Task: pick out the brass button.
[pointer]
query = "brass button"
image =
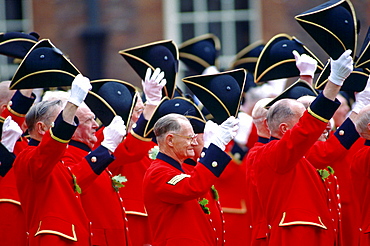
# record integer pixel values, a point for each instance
(93, 159)
(341, 132)
(214, 164)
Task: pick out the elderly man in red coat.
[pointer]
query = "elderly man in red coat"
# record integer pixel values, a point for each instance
(171, 195)
(48, 190)
(292, 194)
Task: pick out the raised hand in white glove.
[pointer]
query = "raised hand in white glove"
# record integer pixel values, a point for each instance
(226, 133)
(152, 86)
(362, 98)
(341, 68)
(210, 130)
(305, 64)
(11, 133)
(79, 89)
(114, 133)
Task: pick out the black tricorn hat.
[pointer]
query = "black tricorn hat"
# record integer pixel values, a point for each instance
(332, 25)
(220, 93)
(356, 81)
(247, 57)
(110, 97)
(44, 66)
(294, 91)
(178, 105)
(163, 54)
(363, 60)
(277, 61)
(17, 44)
(200, 52)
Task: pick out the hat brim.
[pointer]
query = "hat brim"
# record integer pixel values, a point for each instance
(102, 109)
(192, 60)
(363, 60)
(284, 94)
(134, 56)
(356, 81)
(17, 47)
(244, 60)
(25, 79)
(333, 42)
(220, 111)
(194, 119)
(285, 67)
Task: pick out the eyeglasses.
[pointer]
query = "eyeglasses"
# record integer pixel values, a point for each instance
(190, 138)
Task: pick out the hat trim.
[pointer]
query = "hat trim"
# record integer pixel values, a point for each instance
(203, 119)
(40, 72)
(214, 38)
(248, 49)
(136, 93)
(126, 51)
(328, 7)
(210, 92)
(361, 55)
(328, 31)
(282, 35)
(245, 60)
(17, 40)
(194, 58)
(318, 87)
(103, 101)
(150, 66)
(114, 80)
(274, 100)
(272, 67)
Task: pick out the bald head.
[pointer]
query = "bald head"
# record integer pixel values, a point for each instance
(362, 122)
(286, 113)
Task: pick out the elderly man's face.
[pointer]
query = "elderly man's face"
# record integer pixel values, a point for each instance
(85, 131)
(185, 141)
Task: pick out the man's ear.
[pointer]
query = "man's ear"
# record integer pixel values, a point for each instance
(169, 140)
(283, 127)
(41, 128)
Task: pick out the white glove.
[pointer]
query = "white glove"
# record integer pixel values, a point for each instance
(341, 68)
(210, 70)
(114, 133)
(245, 128)
(11, 133)
(226, 133)
(79, 89)
(210, 130)
(153, 85)
(362, 98)
(305, 64)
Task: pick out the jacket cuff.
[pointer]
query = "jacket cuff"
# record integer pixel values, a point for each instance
(62, 131)
(214, 159)
(323, 108)
(139, 128)
(99, 159)
(347, 134)
(20, 104)
(6, 160)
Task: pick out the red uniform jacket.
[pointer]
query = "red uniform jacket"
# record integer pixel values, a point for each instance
(47, 191)
(258, 228)
(292, 194)
(12, 221)
(109, 218)
(360, 171)
(171, 198)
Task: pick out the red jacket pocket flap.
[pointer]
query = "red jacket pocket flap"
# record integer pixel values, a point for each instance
(57, 226)
(301, 217)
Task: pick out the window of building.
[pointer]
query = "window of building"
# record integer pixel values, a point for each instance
(235, 22)
(13, 18)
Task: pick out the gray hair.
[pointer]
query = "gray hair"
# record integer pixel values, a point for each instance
(168, 123)
(41, 111)
(278, 113)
